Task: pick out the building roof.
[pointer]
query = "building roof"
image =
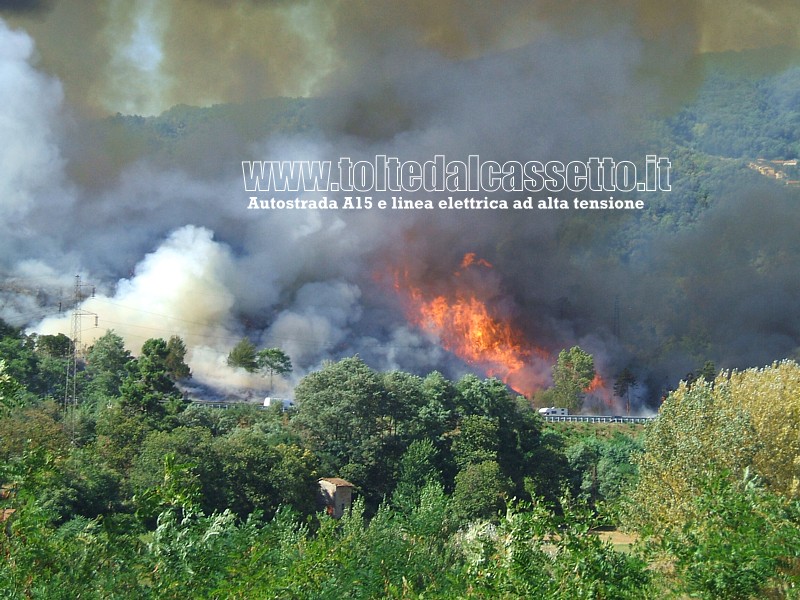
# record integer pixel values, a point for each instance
(338, 482)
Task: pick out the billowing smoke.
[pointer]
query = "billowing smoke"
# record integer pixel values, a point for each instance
(143, 57)
(165, 233)
(318, 321)
(29, 105)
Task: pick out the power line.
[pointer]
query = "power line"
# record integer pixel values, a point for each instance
(77, 313)
(71, 393)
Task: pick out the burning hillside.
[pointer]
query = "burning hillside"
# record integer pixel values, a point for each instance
(466, 321)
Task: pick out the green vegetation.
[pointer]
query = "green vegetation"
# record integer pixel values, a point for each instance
(243, 356)
(272, 361)
(572, 375)
(461, 490)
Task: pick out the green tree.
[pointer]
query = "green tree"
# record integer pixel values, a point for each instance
(583, 458)
(50, 381)
(738, 545)
(192, 446)
(244, 356)
(602, 469)
(404, 398)
(623, 385)
(83, 485)
(709, 370)
(487, 397)
(436, 414)
(21, 360)
(106, 366)
(58, 346)
(341, 415)
(120, 434)
(548, 471)
(26, 428)
(476, 440)
(340, 409)
(176, 353)
(9, 389)
(148, 387)
(516, 431)
(618, 468)
(480, 491)
(274, 361)
(698, 430)
(572, 375)
(38, 373)
(417, 469)
(259, 475)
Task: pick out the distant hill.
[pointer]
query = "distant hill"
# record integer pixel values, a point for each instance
(747, 107)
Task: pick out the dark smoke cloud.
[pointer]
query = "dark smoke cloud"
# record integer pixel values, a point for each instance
(175, 251)
(206, 51)
(25, 6)
(737, 272)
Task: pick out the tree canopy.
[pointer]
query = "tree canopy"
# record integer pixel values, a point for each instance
(148, 386)
(243, 356)
(273, 361)
(572, 375)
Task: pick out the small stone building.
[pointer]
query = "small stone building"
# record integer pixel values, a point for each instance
(335, 496)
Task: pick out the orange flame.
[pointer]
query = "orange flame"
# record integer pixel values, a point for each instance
(598, 383)
(470, 259)
(465, 326)
(599, 389)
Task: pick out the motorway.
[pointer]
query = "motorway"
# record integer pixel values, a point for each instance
(596, 419)
(548, 418)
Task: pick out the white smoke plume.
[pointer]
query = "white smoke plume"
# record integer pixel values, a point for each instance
(318, 321)
(179, 289)
(30, 160)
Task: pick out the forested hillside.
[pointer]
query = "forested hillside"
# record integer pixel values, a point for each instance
(738, 113)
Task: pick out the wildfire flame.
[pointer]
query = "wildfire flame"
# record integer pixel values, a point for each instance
(466, 321)
(470, 258)
(465, 326)
(597, 383)
(599, 389)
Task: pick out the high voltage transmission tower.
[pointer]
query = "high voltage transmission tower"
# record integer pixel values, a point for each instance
(71, 387)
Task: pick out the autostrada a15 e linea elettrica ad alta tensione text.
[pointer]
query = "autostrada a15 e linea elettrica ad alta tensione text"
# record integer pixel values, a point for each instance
(390, 174)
